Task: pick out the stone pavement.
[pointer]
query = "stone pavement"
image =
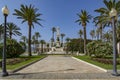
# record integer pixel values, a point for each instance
(61, 67)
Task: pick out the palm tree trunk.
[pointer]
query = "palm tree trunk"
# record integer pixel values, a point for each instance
(10, 35)
(84, 39)
(42, 48)
(62, 42)
(80, 44)
(101, 33)
(29, 41)
(53, 36)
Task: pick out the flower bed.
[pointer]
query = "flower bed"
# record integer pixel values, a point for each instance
(15, 60)
(105, 61)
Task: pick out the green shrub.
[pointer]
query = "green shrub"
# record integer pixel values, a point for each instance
(13, 49)
(76, 45)
(1, 50)
(99, 49)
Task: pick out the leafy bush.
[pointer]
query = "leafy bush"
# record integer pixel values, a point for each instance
(13, 49)
(76, 45)
(99, 49)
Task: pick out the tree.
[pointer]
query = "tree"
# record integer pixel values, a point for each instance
(34, 42)
(80, 33)
(84, 18)
(62, 36)
(118, 32)
(104, 17)
(28, 14)
(98, 33)
(92, 33)
(107, 36)
(42, 42)
(12, 29)
(24, 39)
(67, 40)
(101, 30)
(37, 35)
(1, 31)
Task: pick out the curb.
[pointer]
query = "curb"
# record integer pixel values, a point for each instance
(90, 64)
(13, 71)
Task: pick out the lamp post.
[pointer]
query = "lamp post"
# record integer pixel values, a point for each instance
(5, 12)
(113, 15)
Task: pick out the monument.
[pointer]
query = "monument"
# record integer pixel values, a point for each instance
(56, 49)
(57, 37)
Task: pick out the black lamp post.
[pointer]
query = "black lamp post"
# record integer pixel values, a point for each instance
(113, 15)
(5, 12)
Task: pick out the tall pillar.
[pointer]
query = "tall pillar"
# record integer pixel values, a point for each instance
(57, 37)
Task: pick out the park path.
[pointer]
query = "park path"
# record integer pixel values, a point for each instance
(57, 67)
(60, 64)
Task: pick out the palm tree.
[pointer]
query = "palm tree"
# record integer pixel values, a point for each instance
(42, 42)
(67, 40)
(84, 18)
(118, 32)
(92, 33)
(37, 35)
(107, 36)
(28, 14)
(100, 28)
(12, 29)
(34, 42)
(24, 39)
(80, 33)
(62, 36)
(104, 17)
(98, 33)
(1, 31)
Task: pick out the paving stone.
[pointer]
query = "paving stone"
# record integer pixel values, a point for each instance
(61, 67)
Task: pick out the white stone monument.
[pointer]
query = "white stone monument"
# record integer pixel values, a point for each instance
(57, 37)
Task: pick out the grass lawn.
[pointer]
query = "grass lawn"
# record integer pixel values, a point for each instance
(18, 65)
(105, 66)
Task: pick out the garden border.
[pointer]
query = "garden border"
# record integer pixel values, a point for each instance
(90, 64)
(24, 66)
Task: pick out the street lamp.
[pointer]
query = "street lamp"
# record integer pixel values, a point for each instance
(113, 15)
(5, 12)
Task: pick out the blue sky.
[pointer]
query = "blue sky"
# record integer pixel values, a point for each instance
(60, 13)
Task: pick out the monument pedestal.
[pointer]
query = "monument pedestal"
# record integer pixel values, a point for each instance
(57, 44)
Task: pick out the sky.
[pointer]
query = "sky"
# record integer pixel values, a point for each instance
(55, 13)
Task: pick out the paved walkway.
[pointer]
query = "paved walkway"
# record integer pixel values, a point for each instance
(60, 67)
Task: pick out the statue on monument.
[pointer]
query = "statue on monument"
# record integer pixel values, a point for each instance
(57, 37)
